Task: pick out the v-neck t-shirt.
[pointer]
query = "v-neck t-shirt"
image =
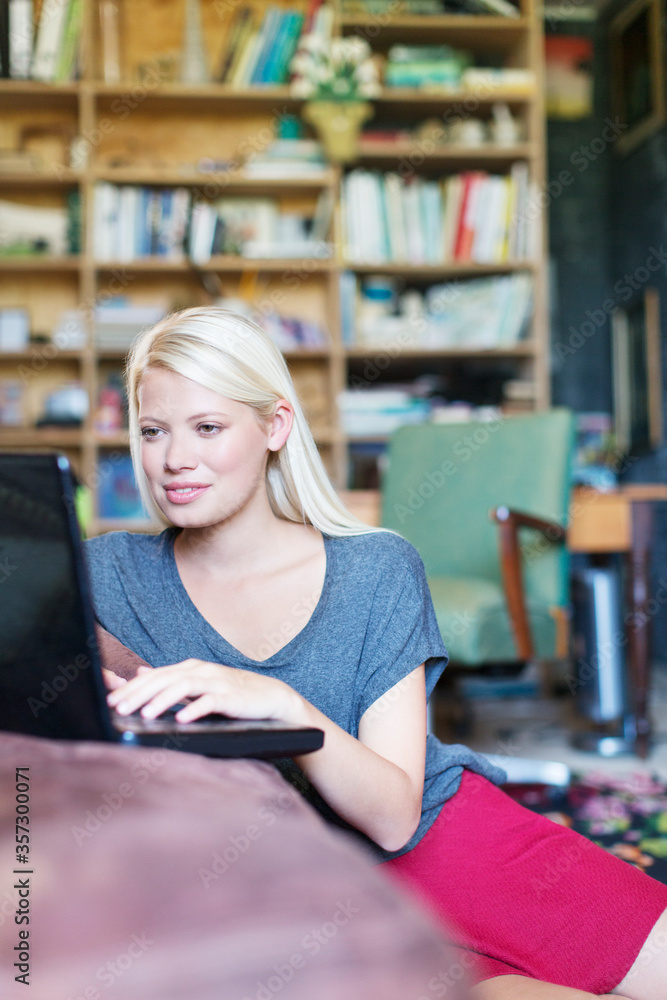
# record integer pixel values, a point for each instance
(373, 625)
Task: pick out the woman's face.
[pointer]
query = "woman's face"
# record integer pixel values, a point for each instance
(204, 455)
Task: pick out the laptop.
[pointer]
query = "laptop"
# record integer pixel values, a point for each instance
(51, 682)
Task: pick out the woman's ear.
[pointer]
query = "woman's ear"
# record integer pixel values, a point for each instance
(280, 424)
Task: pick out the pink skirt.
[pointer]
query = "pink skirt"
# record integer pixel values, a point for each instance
(521, 895)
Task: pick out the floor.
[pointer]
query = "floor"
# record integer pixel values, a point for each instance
(530, 726)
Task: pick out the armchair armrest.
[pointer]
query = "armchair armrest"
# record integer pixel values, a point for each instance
(509, 522)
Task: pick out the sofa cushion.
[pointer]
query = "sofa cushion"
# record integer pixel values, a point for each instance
(472, 617)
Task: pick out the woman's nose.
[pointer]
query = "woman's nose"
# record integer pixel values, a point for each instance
(179, 454)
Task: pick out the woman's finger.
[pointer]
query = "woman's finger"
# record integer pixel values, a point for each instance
(112, 681)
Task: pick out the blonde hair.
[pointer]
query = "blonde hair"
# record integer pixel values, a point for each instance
(233, 357)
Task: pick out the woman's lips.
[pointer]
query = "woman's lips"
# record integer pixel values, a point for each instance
(184, 493)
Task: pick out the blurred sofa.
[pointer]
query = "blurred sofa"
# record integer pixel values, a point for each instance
(160, 875)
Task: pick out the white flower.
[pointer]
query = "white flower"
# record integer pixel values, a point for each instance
(301, 63)
(313, 42)
(338, 49)
(358, 49)
(366, 73)
(302, 88)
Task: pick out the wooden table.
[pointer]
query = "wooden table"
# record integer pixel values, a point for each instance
(620, 521)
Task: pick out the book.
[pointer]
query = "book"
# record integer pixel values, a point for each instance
(243, 69)
(452, 196)
(4, 39)
(110, 40)
(502, 7)
(67, 62)
(472, 181)
(285, 47)
(234, 38)
(398, 242)
(118, 494)
(21, 32)
(33, 229)
(49, 40)
(272, 20)
(414, 227)
(245, 34)
(105, 208)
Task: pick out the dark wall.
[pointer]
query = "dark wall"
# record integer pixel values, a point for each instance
(605, 230)
(579, 154)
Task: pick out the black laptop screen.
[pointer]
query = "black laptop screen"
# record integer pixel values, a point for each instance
(47, 644)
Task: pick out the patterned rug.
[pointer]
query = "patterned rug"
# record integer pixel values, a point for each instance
(627, 816)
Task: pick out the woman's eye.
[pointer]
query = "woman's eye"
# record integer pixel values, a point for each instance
(208, 428)
(150, 432)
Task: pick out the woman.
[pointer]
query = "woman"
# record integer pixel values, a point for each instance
(263, 597)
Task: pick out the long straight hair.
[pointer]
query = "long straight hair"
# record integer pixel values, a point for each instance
(233, 357)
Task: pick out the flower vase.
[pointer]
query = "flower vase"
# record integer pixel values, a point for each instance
(338, 124)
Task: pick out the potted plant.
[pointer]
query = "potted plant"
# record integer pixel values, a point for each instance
(335, 76)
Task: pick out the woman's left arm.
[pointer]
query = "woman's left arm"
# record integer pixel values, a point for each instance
(374, 782)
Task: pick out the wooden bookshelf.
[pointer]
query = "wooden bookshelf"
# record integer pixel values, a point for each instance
(152, 131)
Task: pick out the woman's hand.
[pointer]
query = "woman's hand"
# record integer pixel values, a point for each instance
(112, 680)
(211, 687)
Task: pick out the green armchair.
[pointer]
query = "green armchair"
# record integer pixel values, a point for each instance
(486, 506)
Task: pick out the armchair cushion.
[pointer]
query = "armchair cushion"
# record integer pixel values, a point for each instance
(472, 616)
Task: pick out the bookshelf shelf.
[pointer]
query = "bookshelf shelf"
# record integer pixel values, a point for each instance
(36, 263)
(27, 357)
(483, 97)
(121, 439)
(490, 155)
(210, 92)
(64, 177)
(522, 350)
(228, 264)
(147, 133)
(234, 179)
(479, 31)
(46, 437)
(19, 94)
(438, 272)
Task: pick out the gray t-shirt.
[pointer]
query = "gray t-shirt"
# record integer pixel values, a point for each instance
(372, 625)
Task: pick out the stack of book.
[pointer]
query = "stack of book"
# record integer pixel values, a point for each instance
(477, 314)
(470, 217)
(259, 51)
(47, 51)
(505, 8)
(119, 322)
(132, 222)
(12, 398)
(294, 159)
(380, 410)
(117, 493)
(250, 227)
(425, 66)
(38, 229)
(292, 333)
